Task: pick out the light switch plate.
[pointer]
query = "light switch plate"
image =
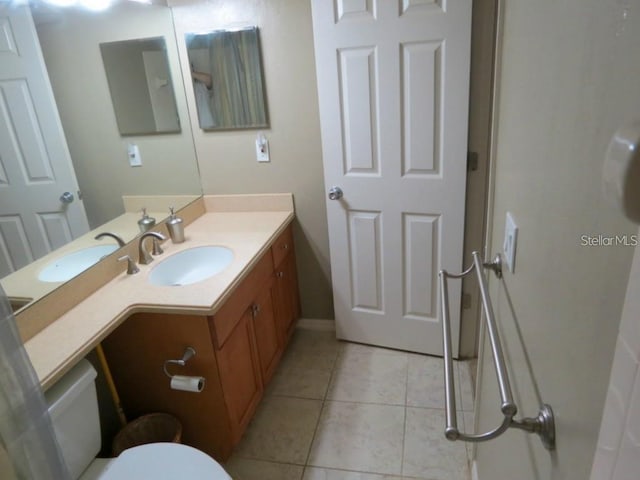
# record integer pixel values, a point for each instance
(510, 243)
(262, 148)
(135, 160)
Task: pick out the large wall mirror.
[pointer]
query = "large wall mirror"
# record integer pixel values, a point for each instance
(70, 40)
(228, 79)
(141, 87)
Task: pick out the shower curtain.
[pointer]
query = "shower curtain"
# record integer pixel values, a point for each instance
(26, 432)
(238, 99)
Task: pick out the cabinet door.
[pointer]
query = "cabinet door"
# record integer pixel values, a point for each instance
(268, 341)
(282, 246)
(240, 375)
(286, 296)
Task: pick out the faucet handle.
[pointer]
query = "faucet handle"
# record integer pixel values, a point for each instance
(156, 249)
(131, 265)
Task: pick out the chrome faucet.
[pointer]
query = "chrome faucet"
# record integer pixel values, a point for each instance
(144, 257)
(111, 235)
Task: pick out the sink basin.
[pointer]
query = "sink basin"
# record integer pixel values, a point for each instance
(65, 268)
(191, 266)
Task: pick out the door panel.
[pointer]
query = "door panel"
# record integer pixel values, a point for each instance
(393, 79)
(357, 81)
(420, 239)
(55, 229)
(14, 246)
(421, 65)
(35, 164)
(366, 260)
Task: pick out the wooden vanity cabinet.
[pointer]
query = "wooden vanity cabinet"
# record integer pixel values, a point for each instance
(136, 352)
(240, 376)
(237, 351)
(247, 344)
(268, 342)
(285, 292)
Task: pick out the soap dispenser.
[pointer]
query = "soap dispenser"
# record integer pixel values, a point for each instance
(146, 223)
(175, 227)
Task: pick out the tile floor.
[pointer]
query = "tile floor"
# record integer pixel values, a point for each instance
(344, 411)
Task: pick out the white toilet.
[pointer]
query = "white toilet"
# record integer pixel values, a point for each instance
(73, 406)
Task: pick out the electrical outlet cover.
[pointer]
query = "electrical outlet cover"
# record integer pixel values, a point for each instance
(135, 160)
(262, 148)
(510, 243)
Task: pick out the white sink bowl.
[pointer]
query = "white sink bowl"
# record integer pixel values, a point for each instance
(191, 266)
(66, 267)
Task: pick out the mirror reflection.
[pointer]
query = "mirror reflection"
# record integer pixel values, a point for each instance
(228, 83)
(140, 84)
(108, 191)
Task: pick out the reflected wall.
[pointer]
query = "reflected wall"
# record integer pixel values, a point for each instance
(70, 44)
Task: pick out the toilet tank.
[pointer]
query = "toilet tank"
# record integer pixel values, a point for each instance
(73, 407)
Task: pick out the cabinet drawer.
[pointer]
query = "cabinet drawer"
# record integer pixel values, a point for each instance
(282, 246)
(229, 315)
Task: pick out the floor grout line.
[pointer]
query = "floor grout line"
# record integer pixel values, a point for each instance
(336, 354)
(404, 426)
(324, 403)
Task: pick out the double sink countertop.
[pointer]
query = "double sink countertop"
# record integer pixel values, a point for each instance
(23, 284)
(247, 224)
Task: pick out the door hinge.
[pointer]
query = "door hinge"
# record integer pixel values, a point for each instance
(79, 195)
(466, 301)
(472, 161)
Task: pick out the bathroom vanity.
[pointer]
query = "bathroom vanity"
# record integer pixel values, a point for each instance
(237, 321)
(237, 350)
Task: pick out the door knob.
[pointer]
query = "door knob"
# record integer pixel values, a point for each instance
(66, 197)
(335, 193)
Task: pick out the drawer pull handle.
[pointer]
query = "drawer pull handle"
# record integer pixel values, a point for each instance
(255, 310)
(280, 274)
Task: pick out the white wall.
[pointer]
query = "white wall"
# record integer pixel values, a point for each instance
(618, 452)
(569, 77)
(227, 159)
(99, 153)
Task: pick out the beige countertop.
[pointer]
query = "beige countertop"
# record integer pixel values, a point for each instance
(232, 224)
(24, 283)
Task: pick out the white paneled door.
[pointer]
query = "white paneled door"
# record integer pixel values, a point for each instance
(35, 164)
(393, 81)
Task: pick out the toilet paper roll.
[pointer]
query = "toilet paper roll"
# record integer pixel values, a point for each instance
(187, 384)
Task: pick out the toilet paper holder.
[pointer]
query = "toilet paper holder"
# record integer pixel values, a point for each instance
(188, 354)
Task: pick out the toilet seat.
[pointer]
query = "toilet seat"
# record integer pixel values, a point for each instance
(164, 461)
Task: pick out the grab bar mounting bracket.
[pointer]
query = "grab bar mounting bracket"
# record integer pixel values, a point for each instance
(495, 265)
(543, 424)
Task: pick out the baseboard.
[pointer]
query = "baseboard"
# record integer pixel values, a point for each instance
(317, 324)
(474, 471)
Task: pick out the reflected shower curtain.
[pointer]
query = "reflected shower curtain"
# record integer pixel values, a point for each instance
(26, 431)
(237, 98)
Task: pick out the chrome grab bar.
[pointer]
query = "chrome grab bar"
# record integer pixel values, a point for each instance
(543, 424)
